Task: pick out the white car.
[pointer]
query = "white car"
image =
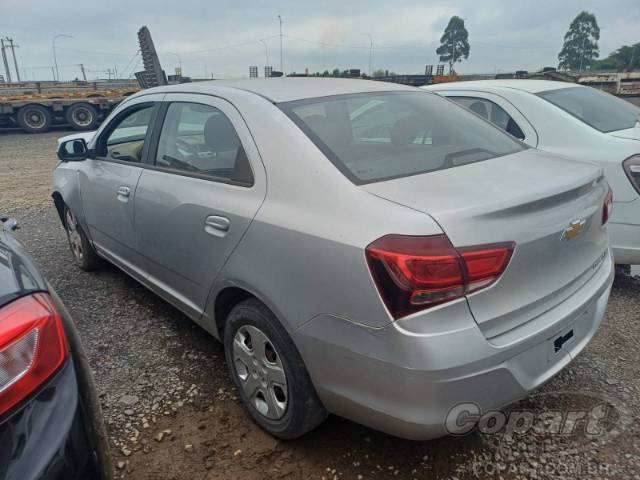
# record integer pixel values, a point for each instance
(575, 121)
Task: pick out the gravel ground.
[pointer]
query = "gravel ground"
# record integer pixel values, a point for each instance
(172, 413)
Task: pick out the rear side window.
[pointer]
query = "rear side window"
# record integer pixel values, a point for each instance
(597, 109)
(200, 139)
(492, 112)
(379, 136)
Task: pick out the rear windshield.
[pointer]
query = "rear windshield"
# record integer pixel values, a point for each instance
(379, 136)
(600, 110)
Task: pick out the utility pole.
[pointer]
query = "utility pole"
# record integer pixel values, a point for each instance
(13, 52)
(109, 73)
(84, 75)
(4, 59)
(370, 51)
(281, 61)
(55, 60)
(266, 51)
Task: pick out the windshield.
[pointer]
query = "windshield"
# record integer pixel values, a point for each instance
(600, 110)
(379, 136)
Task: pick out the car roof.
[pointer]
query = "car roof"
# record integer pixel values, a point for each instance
(286, 89)
(531, 86)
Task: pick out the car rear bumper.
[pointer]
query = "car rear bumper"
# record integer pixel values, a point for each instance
(47, 438)
(624, 232)
(404, 379)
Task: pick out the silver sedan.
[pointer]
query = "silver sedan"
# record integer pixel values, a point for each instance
(361, 248)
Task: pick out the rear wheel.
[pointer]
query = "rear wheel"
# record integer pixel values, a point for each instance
(268, 372)
(34, 118)
(82, 116)
(83, 253)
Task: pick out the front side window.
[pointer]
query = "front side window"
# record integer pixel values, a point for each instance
(125, 141)
(378, 136)
(492, 112)
(200, 139)
(597, 109)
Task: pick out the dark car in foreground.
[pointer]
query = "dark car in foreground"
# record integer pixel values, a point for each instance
(50, 421)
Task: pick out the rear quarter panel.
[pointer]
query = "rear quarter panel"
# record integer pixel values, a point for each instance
(303, 255)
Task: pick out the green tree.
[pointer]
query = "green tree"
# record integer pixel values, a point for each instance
(454, 43)
(378, 73)
(580, 47)
(625, 58)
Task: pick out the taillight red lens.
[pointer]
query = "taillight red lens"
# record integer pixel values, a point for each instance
(607, 208)
(632, 168)
(32, 347)
(413, 273)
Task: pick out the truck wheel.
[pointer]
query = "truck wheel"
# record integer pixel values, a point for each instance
(34, 118)
(82, 116)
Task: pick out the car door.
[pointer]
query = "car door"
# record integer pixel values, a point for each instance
(108, 180)
(497, 110)
(202, 188)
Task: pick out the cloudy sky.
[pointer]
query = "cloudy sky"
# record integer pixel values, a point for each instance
(223, 37)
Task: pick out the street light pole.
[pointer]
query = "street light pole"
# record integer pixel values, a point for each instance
(179, 61)
(55, 60)
(370, 51)
(266, 51)
(281, 58)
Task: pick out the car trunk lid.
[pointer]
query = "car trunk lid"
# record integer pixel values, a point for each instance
(551, 208)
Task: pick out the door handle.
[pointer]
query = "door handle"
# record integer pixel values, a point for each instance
(216, 225)
(124, 191)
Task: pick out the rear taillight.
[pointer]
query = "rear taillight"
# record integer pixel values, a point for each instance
(607, 208)
(632, 168)
(414, 273)
(32, 347)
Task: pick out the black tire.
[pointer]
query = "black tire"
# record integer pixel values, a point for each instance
(84, 256)
(34, 118)
(304, 411)
(82, 116)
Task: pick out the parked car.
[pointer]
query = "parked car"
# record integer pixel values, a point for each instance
(361, 248)
(575, 121)
(51, 426)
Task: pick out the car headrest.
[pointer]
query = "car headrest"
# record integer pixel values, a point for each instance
(406, 130)
(319, 124)
(480, 108)
(219, 134)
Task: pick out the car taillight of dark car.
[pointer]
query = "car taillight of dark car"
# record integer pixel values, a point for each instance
(33, 347)
(417, 272)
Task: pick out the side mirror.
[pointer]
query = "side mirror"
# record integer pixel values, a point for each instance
(73, 150)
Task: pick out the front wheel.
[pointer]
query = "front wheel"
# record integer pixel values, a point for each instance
(268, 372)
(83, 253)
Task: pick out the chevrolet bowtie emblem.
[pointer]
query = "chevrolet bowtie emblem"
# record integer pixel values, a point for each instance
(574, 229)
